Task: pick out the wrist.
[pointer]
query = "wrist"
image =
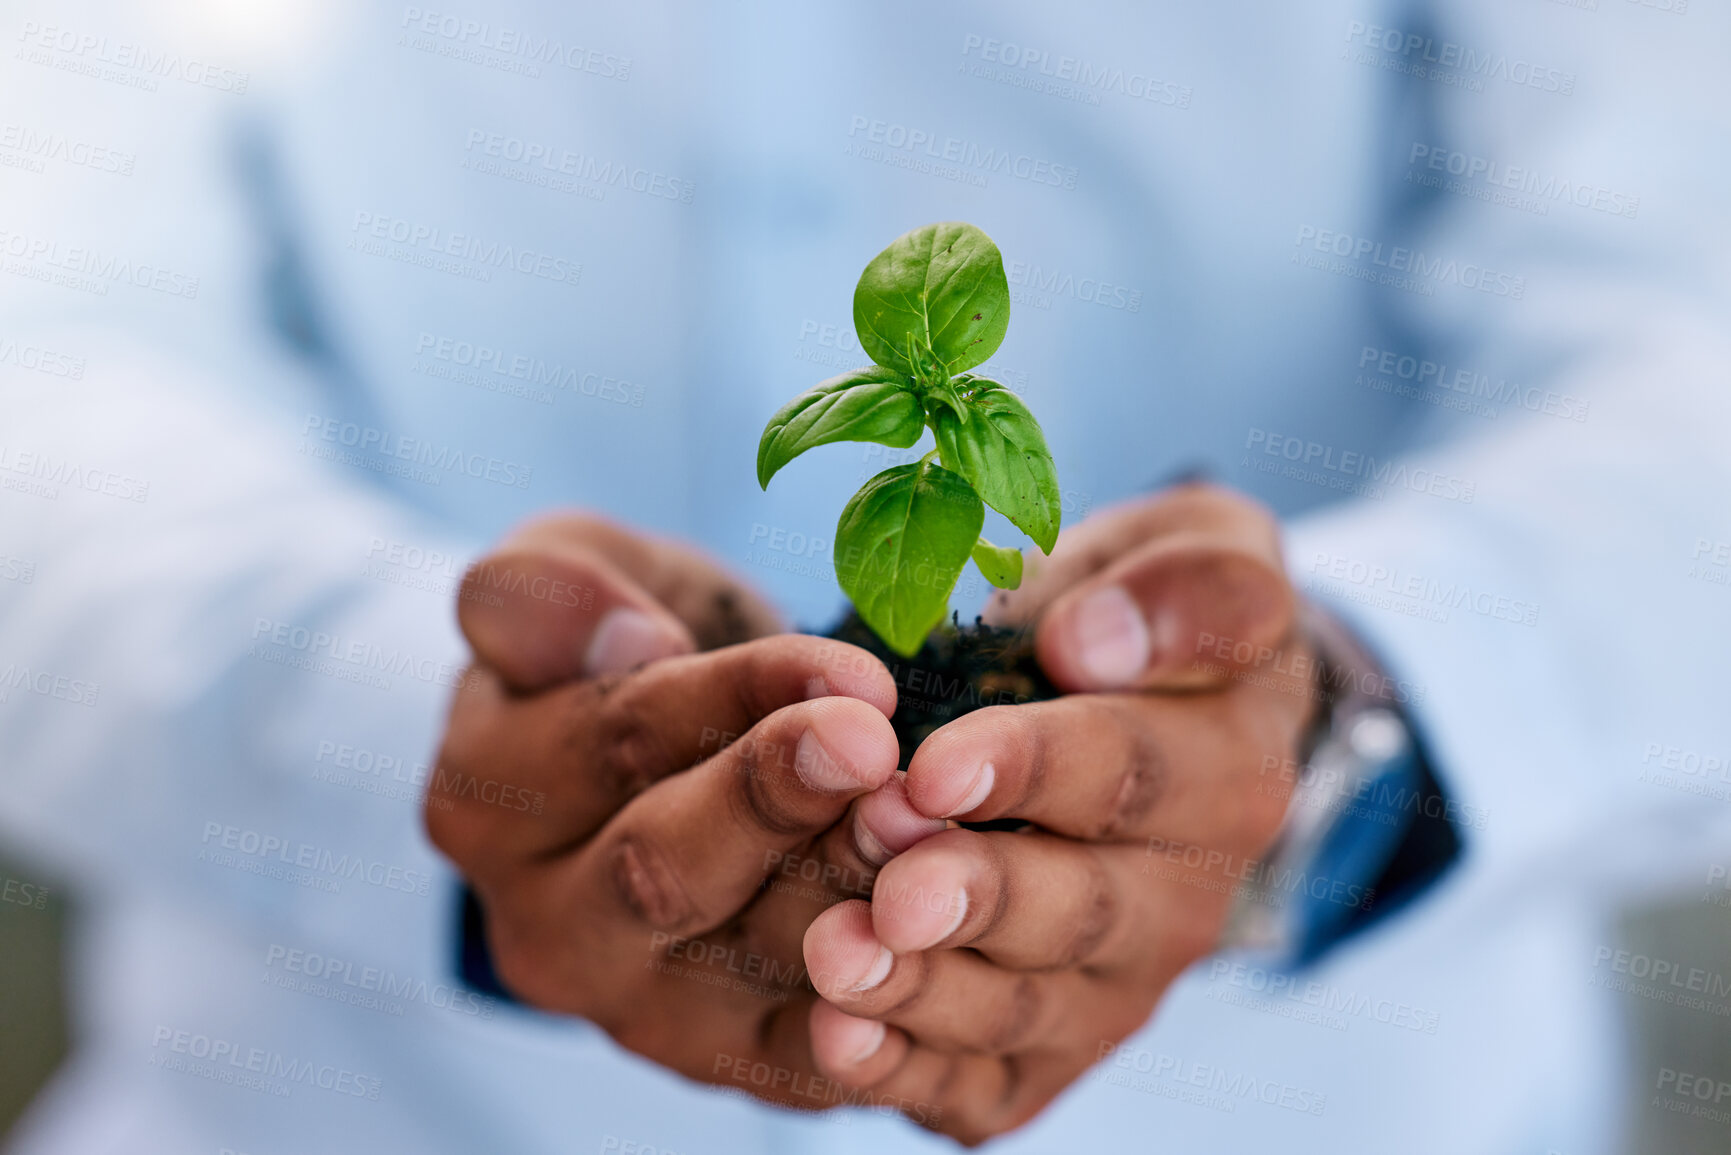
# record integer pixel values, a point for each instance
(1367, 825)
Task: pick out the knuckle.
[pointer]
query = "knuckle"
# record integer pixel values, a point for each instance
(1017, 1016)
(911, 974)
(1097, 912)
(647, 884)
(1140, 783)
(620, 735)
(756, 795)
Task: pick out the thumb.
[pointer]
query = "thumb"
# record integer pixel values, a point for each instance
(1188, 610)
(543, 613)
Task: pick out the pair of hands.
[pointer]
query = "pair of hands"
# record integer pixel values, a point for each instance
(723, 870)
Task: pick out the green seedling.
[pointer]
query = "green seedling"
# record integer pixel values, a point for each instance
(929, 308)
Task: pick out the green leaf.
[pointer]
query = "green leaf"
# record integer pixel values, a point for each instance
(1003, 454)
(1001, 565)
(870, 404)
(940, 288)
(900, 546)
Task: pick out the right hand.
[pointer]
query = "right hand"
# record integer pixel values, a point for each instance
(618, 800)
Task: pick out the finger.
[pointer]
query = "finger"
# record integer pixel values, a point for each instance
(542, 615)
(1114, 767)
(522, 777)
(717, 606)
(970, 1097)
(690, 852)
(950, 1000)
(1105, 536)
(842, 865)
(1148, 592)
(1030, 902)
(571, 597)
(684, 856)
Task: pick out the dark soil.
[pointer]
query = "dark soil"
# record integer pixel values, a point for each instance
(959, 669)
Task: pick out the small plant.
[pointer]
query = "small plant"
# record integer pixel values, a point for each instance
(930, 307)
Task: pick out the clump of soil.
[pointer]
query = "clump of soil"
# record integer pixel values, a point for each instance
(959, 669)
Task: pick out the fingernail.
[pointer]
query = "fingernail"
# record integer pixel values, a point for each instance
(869, 1044)
(984, 777)
(1111, 637)
(626, 639)
(869, 845)
(957, 915)
(880, 970)
(821, 770)
(1168, 625)
(886, 823)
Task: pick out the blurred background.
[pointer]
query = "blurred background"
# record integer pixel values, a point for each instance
(1211, 248)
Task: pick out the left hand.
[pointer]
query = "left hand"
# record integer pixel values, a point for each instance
(989, 970)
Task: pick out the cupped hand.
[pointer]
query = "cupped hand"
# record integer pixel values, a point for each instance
(650, 827)
(988, 971)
